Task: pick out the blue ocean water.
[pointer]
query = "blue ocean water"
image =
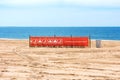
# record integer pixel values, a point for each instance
(102, 33)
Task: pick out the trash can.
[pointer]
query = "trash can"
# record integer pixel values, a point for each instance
(98, 43)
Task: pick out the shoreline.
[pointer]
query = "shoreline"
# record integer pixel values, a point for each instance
(28, 39)
(12, 39)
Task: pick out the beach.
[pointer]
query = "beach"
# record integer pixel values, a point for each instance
(18, 61)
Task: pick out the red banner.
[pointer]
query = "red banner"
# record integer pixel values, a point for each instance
(58, 41)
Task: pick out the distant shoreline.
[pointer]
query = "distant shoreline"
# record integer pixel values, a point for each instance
(12, 39)
(28, 39)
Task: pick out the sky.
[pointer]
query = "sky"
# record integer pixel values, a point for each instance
(59, 13)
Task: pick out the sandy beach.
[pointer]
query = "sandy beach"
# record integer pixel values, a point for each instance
(20, 62)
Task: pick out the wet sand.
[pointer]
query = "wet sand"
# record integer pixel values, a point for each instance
(20, 62)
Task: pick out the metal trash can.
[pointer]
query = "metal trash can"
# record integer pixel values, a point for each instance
(98, 43)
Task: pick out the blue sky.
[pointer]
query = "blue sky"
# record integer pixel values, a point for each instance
(59, 12)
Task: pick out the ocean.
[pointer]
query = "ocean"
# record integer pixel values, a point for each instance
(96, 33)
